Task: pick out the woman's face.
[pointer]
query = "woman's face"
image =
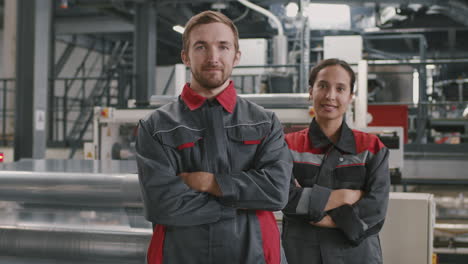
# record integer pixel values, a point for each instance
(331, 93)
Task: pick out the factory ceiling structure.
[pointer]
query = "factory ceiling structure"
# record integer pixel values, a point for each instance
(443, 23)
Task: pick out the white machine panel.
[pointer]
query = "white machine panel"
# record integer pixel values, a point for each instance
(396, 158)
(177, 75)
(407, 235)
(254, 52)
(347, 48)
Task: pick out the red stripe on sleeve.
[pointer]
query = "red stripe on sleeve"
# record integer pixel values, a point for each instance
(252, 142)
(186, 145)
(270, 237)
(155, 249)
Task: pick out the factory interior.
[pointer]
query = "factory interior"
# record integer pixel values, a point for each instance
(78, 75)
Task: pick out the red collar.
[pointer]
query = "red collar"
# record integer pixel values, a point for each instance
(227, 98)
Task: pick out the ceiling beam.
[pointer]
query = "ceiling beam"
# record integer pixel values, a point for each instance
(89, 25)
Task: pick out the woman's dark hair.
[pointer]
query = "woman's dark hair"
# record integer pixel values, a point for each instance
(332, 62)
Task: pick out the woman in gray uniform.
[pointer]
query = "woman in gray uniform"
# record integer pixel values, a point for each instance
(339, 192)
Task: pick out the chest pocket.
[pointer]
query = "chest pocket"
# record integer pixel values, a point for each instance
(244, 141)
(305, 174)
(184, 147)
(350, 177)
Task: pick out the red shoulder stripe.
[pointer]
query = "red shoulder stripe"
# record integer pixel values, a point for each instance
(299, 141)
(366, 141)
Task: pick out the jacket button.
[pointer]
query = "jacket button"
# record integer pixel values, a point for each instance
(341, 159)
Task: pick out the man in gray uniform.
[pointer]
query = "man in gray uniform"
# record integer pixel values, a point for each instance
(213, 166)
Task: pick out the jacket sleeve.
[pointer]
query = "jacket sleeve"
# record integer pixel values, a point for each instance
(366, 217)
(167, 199)
(265, 186)
(307, 202)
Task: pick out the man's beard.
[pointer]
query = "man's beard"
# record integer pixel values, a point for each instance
(209, 83)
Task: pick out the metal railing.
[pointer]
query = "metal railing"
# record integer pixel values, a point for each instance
(67, 105)
(269, 78)
(67, 108)
(81, 92)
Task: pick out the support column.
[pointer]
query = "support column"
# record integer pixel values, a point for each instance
(421, 130)
(32, 78)
(145, 52)
(305, 50)
(360, 105)
(9, 62)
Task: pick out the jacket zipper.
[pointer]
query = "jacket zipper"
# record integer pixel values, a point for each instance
(323, 162)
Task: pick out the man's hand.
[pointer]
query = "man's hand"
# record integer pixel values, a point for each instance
(341, 197)
(201, 181)
(326, 221)
(297, 183)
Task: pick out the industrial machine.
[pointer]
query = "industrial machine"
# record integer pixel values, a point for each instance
(87, 211)
(407, 235)
(71, 211)
(115, 129)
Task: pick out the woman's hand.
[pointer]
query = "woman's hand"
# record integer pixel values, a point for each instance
(343, 196)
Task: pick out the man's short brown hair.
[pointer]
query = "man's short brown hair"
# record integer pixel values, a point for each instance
(208, 17)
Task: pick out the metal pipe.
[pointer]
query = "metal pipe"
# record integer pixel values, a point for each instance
(417, 61)
(280, 41)
(286, 100)
(445, 82)
(75, 244)
(456, 10)
(67, 188)
(459, 251)
(64, 230)
(265, 12)
(405, 36)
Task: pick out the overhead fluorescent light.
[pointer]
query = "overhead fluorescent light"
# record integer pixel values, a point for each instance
(292, 9)
(415, 86)
(178, 28)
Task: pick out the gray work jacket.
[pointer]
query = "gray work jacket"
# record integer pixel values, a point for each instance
(244, 149)
(357, 161)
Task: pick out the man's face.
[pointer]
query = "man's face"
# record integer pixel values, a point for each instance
(211, 55)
